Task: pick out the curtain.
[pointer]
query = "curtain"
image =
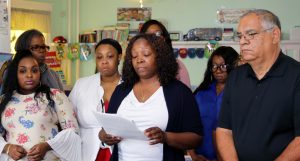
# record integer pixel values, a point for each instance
(23, 19)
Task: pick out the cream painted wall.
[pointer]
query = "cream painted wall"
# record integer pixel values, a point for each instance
(181, 15)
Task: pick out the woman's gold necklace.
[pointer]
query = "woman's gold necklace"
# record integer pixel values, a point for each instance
(142, 97)
(142, 93)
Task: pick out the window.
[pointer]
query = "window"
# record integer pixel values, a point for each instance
(29, 15)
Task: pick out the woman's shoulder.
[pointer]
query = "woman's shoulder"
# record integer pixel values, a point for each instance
(176, 84)
(122, 88)
(50, 72)
(121, 91)
(89, 80)
(57, 92)
(176, 88)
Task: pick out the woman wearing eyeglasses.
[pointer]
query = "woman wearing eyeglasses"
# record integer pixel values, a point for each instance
(209, 97)
(34, 41)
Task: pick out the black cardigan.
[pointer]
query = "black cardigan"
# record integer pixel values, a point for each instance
(183, 113)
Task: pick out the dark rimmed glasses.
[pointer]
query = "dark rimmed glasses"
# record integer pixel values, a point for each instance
(222, 67)
(39, 47)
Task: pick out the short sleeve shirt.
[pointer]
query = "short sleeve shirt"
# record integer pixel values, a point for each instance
(264, 115)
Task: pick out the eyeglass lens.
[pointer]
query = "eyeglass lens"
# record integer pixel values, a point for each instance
(39, 47)
(222, 67)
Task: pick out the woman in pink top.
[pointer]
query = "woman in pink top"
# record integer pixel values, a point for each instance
(157, 28)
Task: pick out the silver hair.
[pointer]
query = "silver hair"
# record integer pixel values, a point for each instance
(268, 19)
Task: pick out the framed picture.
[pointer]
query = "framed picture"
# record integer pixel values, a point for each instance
(175, 36)
(134, 14)
(230, 16)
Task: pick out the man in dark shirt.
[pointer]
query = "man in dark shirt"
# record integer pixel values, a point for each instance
(260, 115)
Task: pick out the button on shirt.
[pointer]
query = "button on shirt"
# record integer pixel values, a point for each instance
(264, 115)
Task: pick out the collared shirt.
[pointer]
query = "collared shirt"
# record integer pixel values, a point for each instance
(209, 104)
(264, 115)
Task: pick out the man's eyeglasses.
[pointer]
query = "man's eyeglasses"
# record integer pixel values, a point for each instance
(39, 47)
(249, 35)
(222, 67)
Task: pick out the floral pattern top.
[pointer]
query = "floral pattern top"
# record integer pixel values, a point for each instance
(28, 121)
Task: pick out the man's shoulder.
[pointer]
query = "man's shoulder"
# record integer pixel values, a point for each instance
(240, 70)
(291, 65)
(291, 62)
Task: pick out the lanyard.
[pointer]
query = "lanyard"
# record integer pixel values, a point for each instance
(101, 106)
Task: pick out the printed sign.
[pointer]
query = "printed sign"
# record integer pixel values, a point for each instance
(134, 14)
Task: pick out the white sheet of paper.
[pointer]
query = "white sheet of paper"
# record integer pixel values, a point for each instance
(119, 126)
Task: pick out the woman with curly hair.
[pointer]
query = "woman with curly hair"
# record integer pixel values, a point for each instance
(31, 114)
(160, 105)
(157, 28)
(209, 97)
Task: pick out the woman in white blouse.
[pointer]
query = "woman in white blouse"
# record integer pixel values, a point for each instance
(31, 114)
(93, 93)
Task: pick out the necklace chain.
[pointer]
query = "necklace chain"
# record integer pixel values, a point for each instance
(142, 92)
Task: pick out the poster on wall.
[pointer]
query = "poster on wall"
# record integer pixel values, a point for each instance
(55, 64)
(230, 16)
(5, 26)
(134, 14)
(4, 21)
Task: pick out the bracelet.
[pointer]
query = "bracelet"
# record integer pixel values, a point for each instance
(7, 151)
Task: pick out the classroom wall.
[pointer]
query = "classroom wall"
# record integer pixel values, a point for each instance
(180, 15)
